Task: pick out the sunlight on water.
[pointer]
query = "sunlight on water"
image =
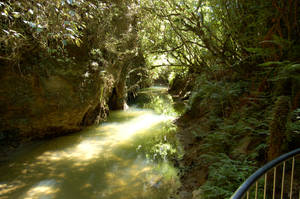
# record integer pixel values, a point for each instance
(44, 190)
(103, 161)
(118, 133)
(140, 124)
(6, 188)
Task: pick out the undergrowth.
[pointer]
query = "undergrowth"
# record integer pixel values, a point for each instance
(236, 114)
(224, 174)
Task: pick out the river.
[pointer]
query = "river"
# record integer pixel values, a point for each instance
(126, 157)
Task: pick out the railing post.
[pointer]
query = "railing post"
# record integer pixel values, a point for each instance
(265, 187)
(292, 178)
(282, 181)
(274, 183)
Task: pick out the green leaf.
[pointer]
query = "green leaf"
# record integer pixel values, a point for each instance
(16, 14)
(270, 63)
(78, 42)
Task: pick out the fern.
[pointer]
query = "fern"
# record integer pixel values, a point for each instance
(225, 175)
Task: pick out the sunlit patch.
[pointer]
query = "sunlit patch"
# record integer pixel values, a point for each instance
(86, 186)
(155, 89)
(139, 124)
(45, 189)
(7, 188)
(117, 133)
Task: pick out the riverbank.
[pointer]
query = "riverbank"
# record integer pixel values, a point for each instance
(226, 133)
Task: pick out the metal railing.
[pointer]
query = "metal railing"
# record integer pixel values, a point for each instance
(261, 186)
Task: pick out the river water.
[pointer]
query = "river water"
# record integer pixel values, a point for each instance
(125, 157)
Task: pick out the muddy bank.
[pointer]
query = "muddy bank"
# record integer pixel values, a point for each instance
(192, 173)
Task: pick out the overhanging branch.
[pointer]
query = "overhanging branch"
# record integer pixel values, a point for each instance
(166, 65)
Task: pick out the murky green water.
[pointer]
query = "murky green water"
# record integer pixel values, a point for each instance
(123, 158)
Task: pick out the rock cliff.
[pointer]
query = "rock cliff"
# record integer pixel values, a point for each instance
(66, 85)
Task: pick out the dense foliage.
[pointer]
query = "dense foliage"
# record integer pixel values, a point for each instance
(238, 61)
(203, 35)
(53, 25)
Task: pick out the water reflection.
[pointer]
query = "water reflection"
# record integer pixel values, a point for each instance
(116, 133)
(101, 162)
(45, 189)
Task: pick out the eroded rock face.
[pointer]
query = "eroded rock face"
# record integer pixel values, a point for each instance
(38, 105)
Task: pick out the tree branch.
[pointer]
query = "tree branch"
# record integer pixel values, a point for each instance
(166, 65)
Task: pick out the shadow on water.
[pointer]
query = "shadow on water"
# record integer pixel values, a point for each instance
(123, 158)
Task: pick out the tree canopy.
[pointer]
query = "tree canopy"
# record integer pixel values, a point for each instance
(203, 35)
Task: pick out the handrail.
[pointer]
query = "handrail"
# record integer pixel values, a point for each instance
(263, 170)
